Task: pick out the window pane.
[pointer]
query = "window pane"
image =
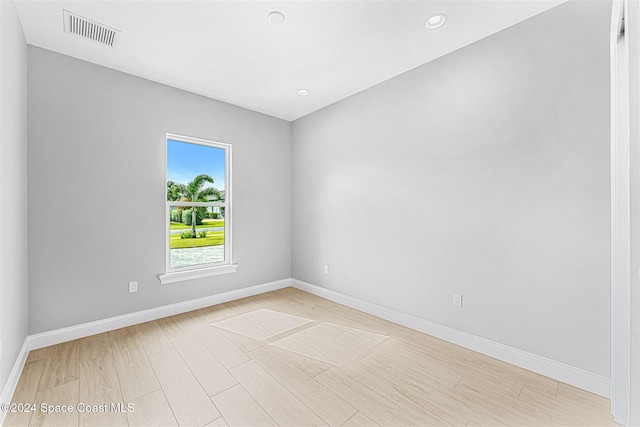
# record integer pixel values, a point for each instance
(195, 172)
(206, 247)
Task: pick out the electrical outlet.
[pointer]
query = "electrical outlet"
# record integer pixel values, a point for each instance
(457, 300)
(133, 287)
(325, 269)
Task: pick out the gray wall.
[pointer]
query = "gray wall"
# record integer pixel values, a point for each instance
(13, 187)
(484, 172)
(97, 190)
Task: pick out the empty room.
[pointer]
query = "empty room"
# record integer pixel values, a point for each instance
(343, 213)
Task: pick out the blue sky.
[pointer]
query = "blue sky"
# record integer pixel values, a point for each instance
(186, 161)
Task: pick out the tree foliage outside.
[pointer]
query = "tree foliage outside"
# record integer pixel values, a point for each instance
(175, 191)
(194, 191)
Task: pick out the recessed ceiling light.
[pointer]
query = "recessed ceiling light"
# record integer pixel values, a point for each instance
(436, 21)
(303, 92)
(276, 17)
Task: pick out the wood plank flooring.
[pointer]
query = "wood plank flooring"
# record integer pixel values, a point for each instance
(181, 371)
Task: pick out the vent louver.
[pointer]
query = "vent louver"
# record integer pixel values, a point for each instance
(91, 30)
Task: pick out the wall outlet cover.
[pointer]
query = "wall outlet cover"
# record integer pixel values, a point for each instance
(457, 300)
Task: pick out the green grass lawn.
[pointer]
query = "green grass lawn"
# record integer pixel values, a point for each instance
(214, 238)
(205, 224)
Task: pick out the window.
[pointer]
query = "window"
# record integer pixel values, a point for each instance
(198, 209)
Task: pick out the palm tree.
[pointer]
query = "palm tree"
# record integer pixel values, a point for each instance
(195, 193)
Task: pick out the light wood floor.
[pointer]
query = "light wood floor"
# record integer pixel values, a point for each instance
(183, 371)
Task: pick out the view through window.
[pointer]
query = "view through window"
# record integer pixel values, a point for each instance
(198, 220)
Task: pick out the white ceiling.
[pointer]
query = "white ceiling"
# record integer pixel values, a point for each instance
(228, 50)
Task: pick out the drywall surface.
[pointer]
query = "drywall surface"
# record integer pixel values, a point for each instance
(97, 191)
(485, 173)
(13, 188)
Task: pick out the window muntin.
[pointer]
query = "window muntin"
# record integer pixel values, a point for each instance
(198, 187)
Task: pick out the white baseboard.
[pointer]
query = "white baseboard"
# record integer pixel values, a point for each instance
(91, 328)
(562, 372)
(14, 376)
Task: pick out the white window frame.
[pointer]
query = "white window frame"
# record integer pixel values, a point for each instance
(209, 269)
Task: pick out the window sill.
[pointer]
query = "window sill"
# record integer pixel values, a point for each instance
(180, 276)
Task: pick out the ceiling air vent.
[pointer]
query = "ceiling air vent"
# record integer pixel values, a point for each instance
(91, 30)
